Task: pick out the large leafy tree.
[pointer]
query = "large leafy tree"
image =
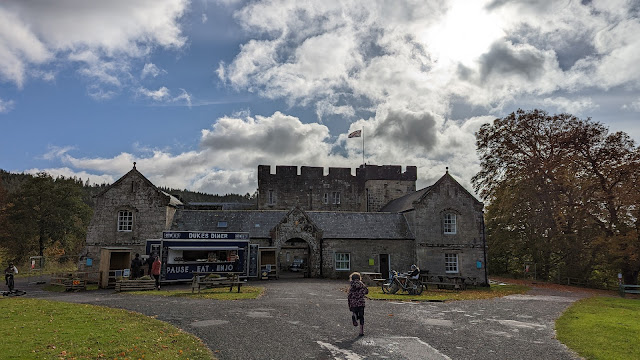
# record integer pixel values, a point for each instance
(47, 211)
(562, 193)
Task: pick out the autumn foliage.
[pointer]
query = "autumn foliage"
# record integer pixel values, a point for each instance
(562, 193)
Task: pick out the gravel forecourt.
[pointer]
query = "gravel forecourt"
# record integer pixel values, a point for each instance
(309, 319)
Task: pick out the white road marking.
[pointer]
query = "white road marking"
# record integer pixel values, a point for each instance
(339, 354)
(409, 347)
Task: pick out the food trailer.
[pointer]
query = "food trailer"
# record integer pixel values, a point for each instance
(186, 252)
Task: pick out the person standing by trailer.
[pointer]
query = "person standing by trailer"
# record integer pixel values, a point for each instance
(155, 271)
(356, 300)
(149, 262)
(136, 264)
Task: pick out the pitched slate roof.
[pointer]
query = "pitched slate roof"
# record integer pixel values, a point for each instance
(405, 203)
(361, 225)
(258, 223)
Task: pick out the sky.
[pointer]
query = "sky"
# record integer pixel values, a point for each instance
(199, 93)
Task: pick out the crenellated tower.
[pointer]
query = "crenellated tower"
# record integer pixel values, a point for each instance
(369, 189)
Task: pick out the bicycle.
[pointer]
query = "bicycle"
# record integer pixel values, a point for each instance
(11, 285)
(399, 282)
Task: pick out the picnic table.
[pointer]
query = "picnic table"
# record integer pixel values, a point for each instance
(445, 281)
(203, 280)
(370, 278)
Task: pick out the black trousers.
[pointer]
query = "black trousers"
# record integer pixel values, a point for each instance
(358, 312)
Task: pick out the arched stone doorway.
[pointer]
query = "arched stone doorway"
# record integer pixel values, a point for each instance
(294, 259)
(297, 232)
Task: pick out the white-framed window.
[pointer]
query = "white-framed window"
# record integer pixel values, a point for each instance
(336, 197)
(451, 263)
(125, 220)
(449, 223)
(325, 198)
(272, 197)
(343, 261)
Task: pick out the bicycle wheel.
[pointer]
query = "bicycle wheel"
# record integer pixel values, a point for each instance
(418, 289)
(386, 285)
(394, 287)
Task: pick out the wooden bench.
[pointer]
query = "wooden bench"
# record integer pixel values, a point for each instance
(448, 281)
(629, 289)
(135, 285)
(200, 281)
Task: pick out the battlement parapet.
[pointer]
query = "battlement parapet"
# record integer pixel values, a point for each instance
(386, 172)
(363, 173)
(311, 172)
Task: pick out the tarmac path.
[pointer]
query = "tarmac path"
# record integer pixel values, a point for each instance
(309, 319)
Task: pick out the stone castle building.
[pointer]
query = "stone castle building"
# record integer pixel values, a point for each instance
(336, 223)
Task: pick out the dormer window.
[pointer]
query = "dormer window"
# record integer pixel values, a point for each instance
(125, 220)
(449, 223)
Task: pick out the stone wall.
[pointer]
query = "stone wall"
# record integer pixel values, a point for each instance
(151, 216)
(447, 196)
(401, 251)
(312, 190)
(381, 192)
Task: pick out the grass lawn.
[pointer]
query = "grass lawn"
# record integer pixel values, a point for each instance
(42, 329)
(246, 292)
(375, 292)
(602, 328)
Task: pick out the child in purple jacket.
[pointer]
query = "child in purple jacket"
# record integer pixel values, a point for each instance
(357, 291)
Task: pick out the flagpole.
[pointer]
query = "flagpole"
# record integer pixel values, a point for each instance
(363, 163)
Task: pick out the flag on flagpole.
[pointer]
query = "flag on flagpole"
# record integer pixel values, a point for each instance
(356, 133)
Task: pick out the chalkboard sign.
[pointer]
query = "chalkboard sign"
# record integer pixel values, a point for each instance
(253, 260)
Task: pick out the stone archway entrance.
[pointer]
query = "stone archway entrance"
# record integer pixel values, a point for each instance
(296, 233)
(294, 258)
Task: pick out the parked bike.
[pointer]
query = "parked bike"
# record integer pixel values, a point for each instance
(397, 282)
(12, 291)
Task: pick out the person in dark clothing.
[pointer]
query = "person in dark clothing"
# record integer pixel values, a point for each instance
(356, 300)
(415, 272)
(150, 261)
(136, 264)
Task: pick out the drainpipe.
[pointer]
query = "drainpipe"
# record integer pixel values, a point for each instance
(484, 251)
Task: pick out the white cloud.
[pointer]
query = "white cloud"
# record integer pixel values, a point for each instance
(104, 36)
(157, 95)
(164, 95)
(152, 70)
(575, 106)
(183, 97)
(6, 106)
(204, 18)
(635, 105)
(231, 150)
(417, 55)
